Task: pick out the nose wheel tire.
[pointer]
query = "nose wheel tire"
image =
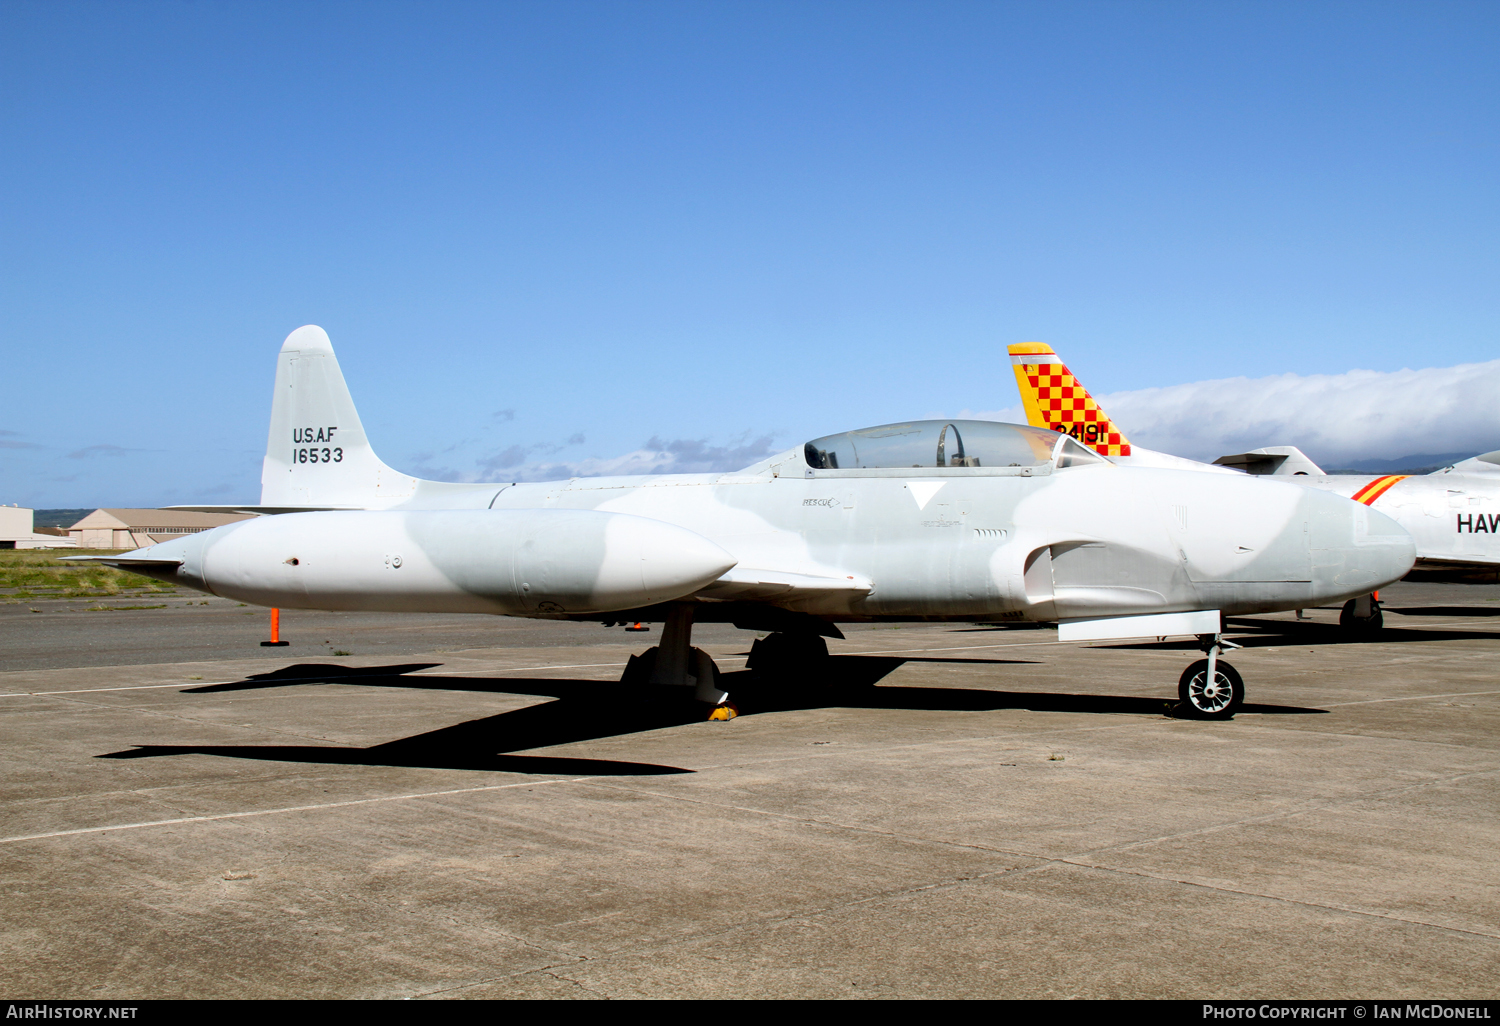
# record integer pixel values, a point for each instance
(1218, 700)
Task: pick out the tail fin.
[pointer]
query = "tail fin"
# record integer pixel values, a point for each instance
(1054, 399)
(317, 454)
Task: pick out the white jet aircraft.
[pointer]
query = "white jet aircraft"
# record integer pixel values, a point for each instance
(1453, 514)
(922, 520)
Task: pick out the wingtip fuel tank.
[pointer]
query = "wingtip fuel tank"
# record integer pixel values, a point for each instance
(535, 562)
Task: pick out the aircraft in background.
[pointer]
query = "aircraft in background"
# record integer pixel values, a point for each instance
(923, 520)
(1453, 514)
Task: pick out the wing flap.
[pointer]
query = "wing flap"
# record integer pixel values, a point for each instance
(752, 583)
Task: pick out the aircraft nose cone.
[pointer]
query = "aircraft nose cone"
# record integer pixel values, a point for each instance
(1356, 550)
(648, 561)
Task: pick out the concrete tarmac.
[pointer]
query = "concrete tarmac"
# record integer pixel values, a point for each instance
(471, 808)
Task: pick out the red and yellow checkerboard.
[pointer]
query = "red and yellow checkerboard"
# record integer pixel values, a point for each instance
(1054, 399)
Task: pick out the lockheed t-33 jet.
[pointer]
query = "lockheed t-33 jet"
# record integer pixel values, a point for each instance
(930, 520)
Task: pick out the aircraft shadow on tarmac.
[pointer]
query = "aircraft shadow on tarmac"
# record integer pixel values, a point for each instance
(587, 710)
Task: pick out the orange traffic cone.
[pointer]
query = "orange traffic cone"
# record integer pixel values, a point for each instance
(275, 641)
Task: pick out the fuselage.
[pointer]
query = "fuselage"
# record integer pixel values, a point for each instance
(1042, 542)
(1453, 515)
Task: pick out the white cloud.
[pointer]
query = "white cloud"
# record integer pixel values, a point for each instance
(677, 456)
(1333, 418)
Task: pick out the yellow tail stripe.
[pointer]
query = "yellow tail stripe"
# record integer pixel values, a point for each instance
(1376, 488)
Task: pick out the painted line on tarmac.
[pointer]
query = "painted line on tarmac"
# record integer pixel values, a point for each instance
(133, 687)
(518, 669)
(284, 680)
(290, 808)
(1444, 623)
(1412, 698)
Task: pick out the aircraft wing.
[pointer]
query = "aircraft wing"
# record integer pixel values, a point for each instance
(1456, 564)
(749, 583)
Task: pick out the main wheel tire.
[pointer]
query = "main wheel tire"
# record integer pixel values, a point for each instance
(639, 669)
(1219, 701)
(787, 653)
(1361, 624)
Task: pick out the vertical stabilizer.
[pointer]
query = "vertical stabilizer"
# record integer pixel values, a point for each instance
(1054, 399)
(317, 454)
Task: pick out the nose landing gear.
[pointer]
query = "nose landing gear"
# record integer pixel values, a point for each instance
(1211, 689)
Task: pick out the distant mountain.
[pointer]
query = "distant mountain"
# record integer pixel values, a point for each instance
(1424, 464)
(59, 517)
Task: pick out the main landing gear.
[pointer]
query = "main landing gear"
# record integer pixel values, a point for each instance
(784, 655)
(1211, 689)
(676, 663)
(1362, 615)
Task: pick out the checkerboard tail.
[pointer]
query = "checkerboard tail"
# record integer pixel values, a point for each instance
(1055, 399)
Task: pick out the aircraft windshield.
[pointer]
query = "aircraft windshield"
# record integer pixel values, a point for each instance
(938, 443)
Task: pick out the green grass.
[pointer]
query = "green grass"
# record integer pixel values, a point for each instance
(27, 575)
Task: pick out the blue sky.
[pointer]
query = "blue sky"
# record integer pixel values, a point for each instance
(709, 228)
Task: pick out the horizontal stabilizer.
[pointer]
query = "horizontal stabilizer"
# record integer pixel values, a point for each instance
(1484, 463)
(129, 559)
(259, 510)
(1277, 460)
(1156, 625)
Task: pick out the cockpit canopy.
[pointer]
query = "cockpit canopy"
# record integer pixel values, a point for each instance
(946, 443)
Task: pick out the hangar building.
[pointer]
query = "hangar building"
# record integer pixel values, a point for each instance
(18, 531)
(137, 528)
